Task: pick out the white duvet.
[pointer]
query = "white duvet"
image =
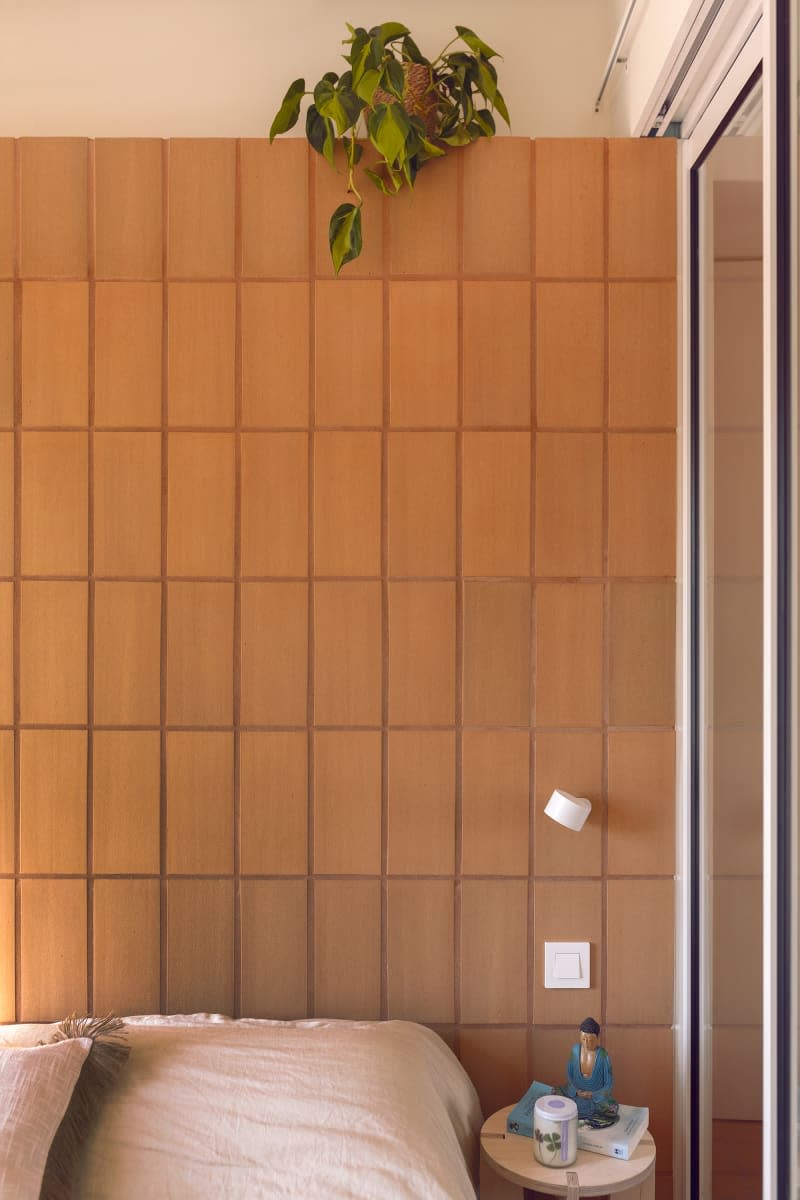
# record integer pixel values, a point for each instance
(315, 1110)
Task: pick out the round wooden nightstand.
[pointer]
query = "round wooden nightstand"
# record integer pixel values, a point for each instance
(511, 1157)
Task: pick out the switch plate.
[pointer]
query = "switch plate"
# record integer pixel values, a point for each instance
(566, 965)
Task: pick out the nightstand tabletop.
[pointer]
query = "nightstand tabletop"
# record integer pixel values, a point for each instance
(511, 1156)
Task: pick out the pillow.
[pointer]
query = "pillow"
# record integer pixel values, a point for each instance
(108, 1052)
(36, 1086)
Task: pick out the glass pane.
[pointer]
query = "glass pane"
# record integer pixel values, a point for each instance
(732, 431)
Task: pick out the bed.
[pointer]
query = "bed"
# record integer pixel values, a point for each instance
(208, 1106)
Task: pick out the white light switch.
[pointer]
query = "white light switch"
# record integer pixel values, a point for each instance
(566, 965)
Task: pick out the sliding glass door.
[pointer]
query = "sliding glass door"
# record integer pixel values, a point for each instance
(727, 488)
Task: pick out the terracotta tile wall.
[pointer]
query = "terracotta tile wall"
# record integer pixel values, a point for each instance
(311, 590)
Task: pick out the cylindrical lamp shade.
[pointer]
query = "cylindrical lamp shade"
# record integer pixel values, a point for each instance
(570, 811)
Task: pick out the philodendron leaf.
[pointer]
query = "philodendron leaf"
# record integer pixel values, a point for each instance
(389, 31)
(459, 137)
(320, 133)
(344, 235)
(390, 187)
(429, 150)
(329, 104)
(365, 87)
(393, 78)
(475, 43)
(487, 82)
(388, 128)
(353, 149)
(289, 110)
(411, 51)
(485, 121)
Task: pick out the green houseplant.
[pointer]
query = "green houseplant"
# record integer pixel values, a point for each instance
(412, 109)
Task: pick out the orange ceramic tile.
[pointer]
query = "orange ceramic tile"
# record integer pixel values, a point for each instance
(423, 353)
(736, 669)
(274, 503)
(52, 948)
(347, 941)
(639, 957)
(348, 370)
(422, 653)
(202, 189)
(6, 504)
(347, 803)
(422, 507)
(200, 972)
(6, 653)
(199, 814)
(127, 653)
(550, 1050)
(421, 809)
(55, 505)
(55, 353)
(570, 354)
(201, 504)
(495, 802)
(569, 654)
(572, 762)
(126, 944)
(737, 950)
(641, 511)
(53, 207)
(274, 803)
(200, 686)
(52, 801)
(567, 911)
(347, 504)
(641, 803)
(494, 951)
(569, 206)
(347, 653)
(496, 1062)
(642, 355)
(737, 354)
(497, 218)
(736, 482)
(6, 354)
(127, 503)
(274, 671)
(643, 1069)
(330, 190)
(496, 503)
(53, 641)
(421, 243)
(7, 836)
(497, 353)
(642, 201)
(8, 216)
(128, 199)
(642, 654)
(126, 799)
(569, 504)
(736, 839)
(497, 653)
(274, 183)
(275, 354)
(127, 354)
(200, 377)
(420, 950)
(274, 951)
(8, 972)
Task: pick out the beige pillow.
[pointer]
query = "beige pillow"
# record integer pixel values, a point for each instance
(36, 1085)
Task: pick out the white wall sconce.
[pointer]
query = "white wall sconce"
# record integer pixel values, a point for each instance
(570, 811)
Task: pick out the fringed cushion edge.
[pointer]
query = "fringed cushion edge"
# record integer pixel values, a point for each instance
(103, 1064)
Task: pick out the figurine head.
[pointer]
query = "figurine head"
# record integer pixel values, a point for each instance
(589, 1033)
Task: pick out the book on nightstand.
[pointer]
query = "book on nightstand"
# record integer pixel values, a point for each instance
(618, 1140)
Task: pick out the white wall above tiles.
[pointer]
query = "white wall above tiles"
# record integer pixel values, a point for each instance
(170, 68)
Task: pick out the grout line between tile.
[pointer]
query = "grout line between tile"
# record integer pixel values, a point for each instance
(91, 596)
(311, 747)
(164, 634)
(237, 597)
(17, 585)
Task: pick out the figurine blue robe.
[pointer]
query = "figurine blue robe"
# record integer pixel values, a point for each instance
(600, 1083)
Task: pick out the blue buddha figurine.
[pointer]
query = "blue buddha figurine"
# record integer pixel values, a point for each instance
(590, 1080)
